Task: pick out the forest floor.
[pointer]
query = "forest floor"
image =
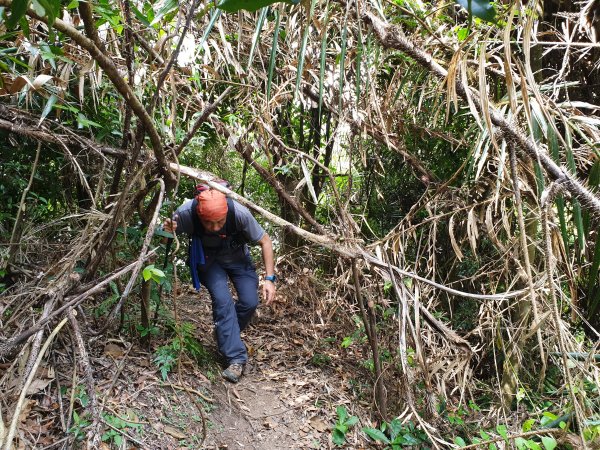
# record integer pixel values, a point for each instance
(286, 400)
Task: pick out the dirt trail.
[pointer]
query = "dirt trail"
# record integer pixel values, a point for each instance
(286, 400)
(281, 402)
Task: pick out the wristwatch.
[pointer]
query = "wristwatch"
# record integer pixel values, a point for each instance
(271, 278)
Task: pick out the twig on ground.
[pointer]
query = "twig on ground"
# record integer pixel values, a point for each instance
(15, 418)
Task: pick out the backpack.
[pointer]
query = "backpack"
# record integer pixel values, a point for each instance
(203, 247)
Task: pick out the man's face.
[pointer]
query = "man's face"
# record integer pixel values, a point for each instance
(213, 226)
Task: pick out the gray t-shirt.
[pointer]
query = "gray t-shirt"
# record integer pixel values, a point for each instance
(246, 224)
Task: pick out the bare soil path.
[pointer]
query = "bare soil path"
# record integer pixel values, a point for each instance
(286, 400)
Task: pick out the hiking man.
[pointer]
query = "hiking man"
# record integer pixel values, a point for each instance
(220, 229)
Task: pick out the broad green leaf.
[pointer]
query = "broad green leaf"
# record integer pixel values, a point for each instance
(147, 273)
(547, 417)
(527, 425)
(376, 435)
(532, 445)
(342, 413)
(460, 441)
(479, 8)
(484, 435)
(338, 437)
(352, 420)
(549, 442)
(409, 439)
(462, 33)
(151, 272)
(395, 427)
(249, 5)
(502, 431)
(521, 443)
(17, 10)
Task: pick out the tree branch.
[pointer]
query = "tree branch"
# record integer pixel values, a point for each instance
(392, 37)
(112, 72)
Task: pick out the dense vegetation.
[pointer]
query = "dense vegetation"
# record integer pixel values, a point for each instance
(438, 171)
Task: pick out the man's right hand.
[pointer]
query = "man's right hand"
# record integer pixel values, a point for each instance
(170, 225)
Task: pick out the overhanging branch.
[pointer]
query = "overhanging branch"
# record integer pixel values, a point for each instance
(392, 37)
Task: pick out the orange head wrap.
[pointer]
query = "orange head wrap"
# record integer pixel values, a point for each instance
(212, 205)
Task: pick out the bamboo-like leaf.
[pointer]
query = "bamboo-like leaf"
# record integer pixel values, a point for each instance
(308, 179)
(213, 19)
(483, 94)
(302, 53)
(49, 104)
(358, 62)
(510, 85)
(273, 56)
(593, 274)
(343, 57)
(323, 58)
(472, 231)
(489, 225)
(17, 10)
(453, 242)
(577, 217)
(165, 8)
(256, 37)
(560, 202)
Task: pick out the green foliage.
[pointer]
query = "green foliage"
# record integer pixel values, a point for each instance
(396, 435)
(500, 433)
(80, 423)
(153, 273)
(117, 424)
(342, 426)
(183, 340)
(165, 358)
(2, 285)
(18, 10)
(320, 360)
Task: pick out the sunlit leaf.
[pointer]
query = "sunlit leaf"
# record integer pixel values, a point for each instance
(549, 442)
(167, 7)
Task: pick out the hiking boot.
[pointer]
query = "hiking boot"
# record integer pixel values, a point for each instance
(255, 319)
(234, 372)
